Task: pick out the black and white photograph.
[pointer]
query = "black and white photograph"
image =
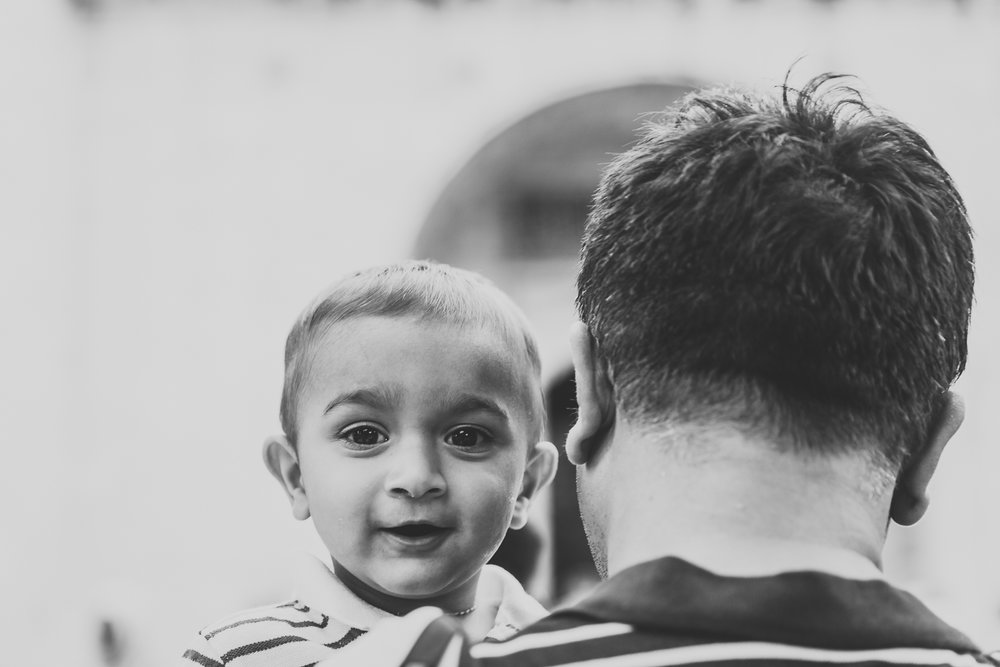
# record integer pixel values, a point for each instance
(592, 333)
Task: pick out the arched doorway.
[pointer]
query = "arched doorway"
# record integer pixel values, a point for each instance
(515, 212)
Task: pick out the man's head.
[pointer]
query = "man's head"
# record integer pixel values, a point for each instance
(798, 267)
(412, 414)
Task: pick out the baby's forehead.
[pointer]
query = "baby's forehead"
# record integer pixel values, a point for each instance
(432, 365)
(501, 353)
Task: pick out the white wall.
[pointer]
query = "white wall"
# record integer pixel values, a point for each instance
(180, 177)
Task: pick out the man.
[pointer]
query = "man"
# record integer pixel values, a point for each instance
(774, 298)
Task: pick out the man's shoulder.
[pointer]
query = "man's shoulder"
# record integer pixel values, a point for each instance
(278, 634)
(562, 637)
(671, 612)
(572, 639)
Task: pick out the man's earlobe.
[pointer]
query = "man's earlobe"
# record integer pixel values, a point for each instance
(594, 397)
(538, 474)
(910, 499)
(283, 464)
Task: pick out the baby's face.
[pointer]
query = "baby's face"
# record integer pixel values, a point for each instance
(412, 446)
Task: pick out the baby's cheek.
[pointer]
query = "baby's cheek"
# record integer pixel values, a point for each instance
(497, 506)
(491, 494)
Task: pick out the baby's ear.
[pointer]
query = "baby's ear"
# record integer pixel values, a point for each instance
(282, 462)
(539, 473)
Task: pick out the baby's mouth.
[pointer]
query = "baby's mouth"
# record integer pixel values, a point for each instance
(415, 530)
(417, 533)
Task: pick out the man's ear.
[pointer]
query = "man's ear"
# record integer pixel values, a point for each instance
(538, 474)
(594, 397)
(282, 462)
(910, 499)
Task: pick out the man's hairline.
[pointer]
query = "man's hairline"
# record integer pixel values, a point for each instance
(643, 419)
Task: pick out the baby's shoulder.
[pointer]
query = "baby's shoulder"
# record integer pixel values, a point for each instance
(281, 615)
(280, 632)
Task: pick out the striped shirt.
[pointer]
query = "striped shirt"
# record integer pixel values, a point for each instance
(668, 613)
(324, 617)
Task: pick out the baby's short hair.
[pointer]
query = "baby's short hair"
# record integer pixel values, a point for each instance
(420, 288)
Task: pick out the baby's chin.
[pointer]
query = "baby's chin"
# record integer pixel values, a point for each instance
(437, 592)
(427, 589)
(405, 586)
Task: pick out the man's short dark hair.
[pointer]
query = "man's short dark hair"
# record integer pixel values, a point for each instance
(799, 264)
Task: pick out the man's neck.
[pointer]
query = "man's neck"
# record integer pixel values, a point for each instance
(742, 507)
(747, 557)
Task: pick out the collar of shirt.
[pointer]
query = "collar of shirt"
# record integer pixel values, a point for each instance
(730, 556)
(803, 607)
(317, 586)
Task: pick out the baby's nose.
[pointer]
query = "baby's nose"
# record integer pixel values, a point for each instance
(416, 471)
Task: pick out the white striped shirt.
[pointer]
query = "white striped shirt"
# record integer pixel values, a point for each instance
(324, 618)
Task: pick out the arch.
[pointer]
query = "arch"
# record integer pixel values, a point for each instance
(516, 209)
(515, 212)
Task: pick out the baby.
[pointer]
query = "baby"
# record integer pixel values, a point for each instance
(412, 416)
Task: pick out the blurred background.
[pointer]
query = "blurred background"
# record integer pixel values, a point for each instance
(178, 178)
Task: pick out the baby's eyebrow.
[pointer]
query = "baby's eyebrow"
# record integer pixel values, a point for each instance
(371, 397)
(470, 403)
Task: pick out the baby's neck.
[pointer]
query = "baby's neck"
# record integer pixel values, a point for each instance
(457, 601)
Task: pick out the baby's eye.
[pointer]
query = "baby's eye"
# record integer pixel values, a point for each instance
(364, 435)
(466, 437)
